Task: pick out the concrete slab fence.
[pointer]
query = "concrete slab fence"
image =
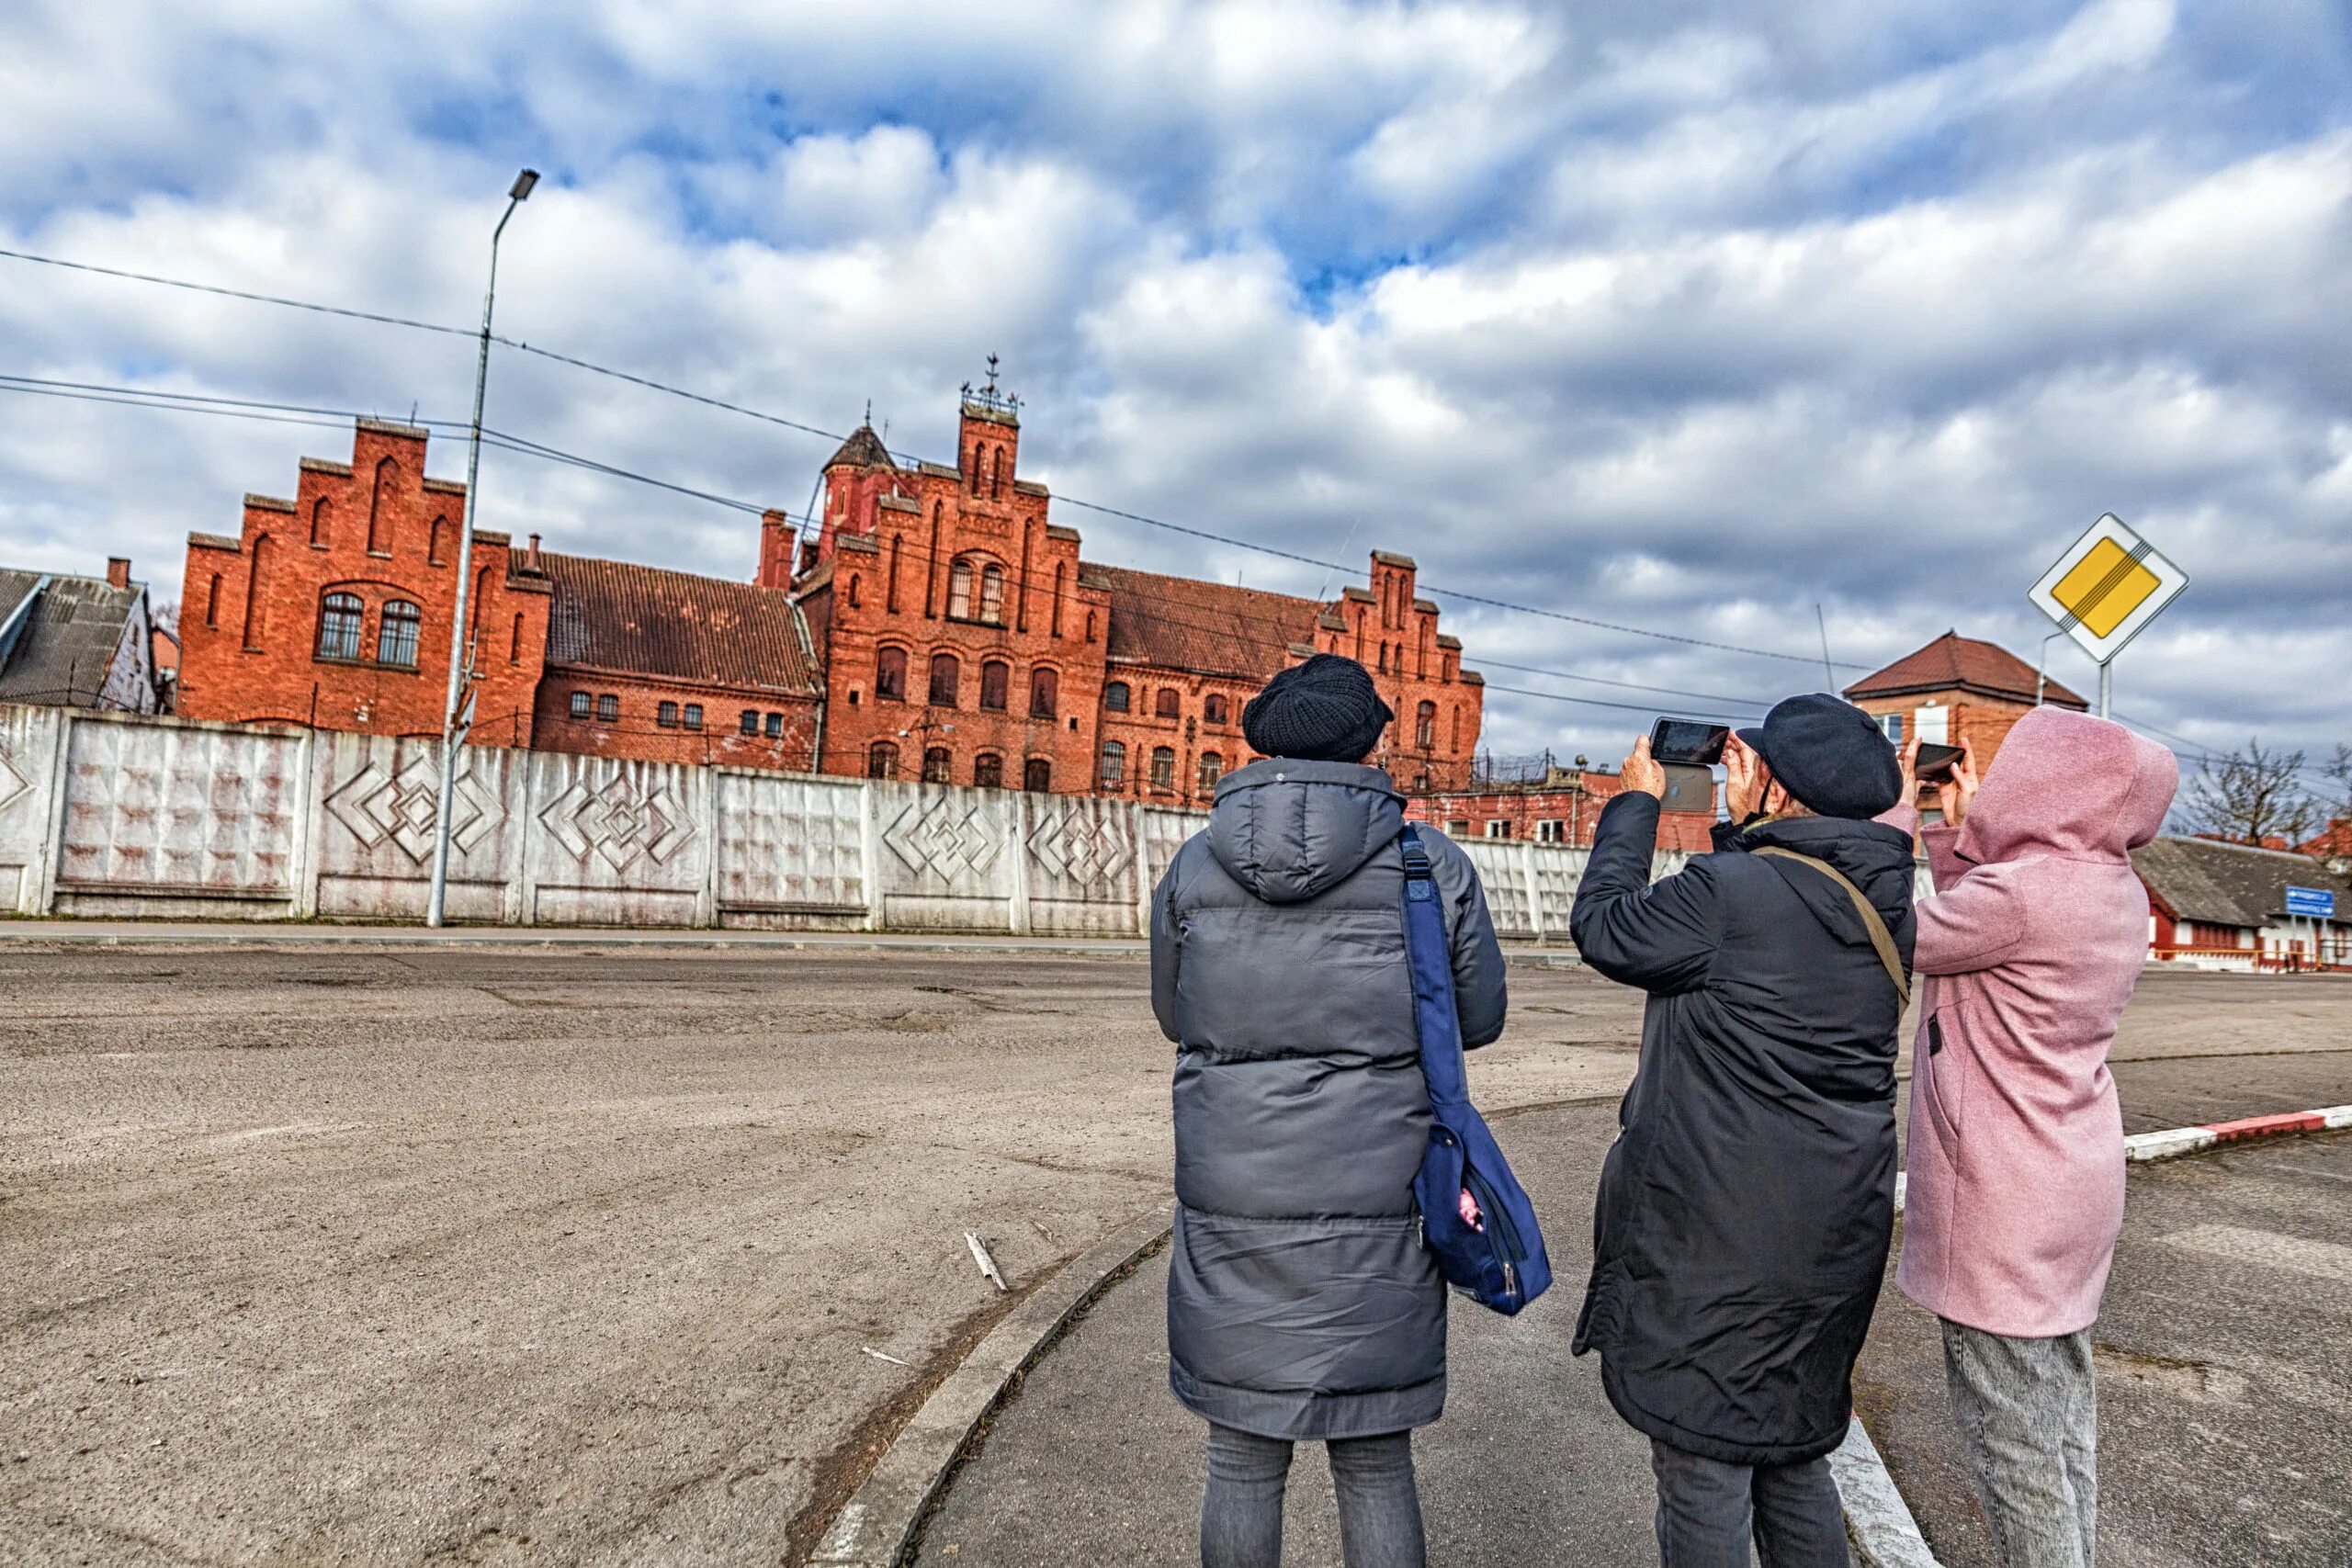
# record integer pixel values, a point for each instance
(118, 816)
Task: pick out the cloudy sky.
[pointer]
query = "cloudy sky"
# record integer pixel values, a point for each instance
(1684, 316)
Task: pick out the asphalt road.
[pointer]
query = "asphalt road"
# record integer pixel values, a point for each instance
(2224, 1363)
(408, 1255)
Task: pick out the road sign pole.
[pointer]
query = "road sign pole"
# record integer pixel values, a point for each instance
(2106, 686)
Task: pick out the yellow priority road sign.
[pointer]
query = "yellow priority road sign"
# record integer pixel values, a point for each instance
(2109, 584)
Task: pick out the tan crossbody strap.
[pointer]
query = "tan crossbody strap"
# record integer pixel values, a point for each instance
(1881, 938)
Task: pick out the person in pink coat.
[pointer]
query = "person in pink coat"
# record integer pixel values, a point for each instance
(2028, 951)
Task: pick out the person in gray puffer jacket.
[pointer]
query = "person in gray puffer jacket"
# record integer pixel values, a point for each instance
(1301, 1301)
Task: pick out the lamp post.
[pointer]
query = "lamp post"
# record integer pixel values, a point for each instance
(455, 723)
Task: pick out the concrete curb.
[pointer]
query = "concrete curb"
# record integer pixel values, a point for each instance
(264, 934)
(1884, 1533)
(1877, 1518)
(881, 1524)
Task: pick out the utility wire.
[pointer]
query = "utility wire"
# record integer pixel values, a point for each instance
(1137, 517)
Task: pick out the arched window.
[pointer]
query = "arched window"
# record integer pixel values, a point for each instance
(1163, 767)
(1114, 697)
(437, 542)
(608, 708)
(1169, 703)
(212, 602)
(379, 509)
(1061, 576)
(1037, 775)
(1212, 768)
(666, 716)
(882, 761)
(988, 771)
(1213, 708)
(996, 681)
(582, 703)
(890, 674)
(992, 593)
(972, 480)
(890, 597)
(1425, 725)
(959, 592)
(749, 721)
(396, 635)
(1457, 727)
(339, 618)
(943, 672)
(1113, 768)
(322, 517)
(1045, 688)
(514, 644)
(1089, 625)
(853, 591)
(937, 766)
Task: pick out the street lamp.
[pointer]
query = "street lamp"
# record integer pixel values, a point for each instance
(455, 723)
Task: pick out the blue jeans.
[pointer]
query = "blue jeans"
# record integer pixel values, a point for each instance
(1242, 1510)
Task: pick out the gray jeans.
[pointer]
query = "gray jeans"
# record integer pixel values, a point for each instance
(2028, 1413)
(1707, 1510)
(1242, 1510)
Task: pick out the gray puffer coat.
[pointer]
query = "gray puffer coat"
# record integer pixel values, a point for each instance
(1301, 1302)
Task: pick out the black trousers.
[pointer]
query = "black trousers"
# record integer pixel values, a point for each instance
(1707, 1511)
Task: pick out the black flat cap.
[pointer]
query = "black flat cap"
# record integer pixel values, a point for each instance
(1830, 754)
(1326, 710)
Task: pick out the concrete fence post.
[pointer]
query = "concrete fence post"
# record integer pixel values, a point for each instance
(1020, 849)
(1534, 889)
(60, 779)
(527, 876)
(866, 846)
(302, 873)
(1143, 868)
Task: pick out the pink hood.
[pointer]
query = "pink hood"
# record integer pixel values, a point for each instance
(2070, 785)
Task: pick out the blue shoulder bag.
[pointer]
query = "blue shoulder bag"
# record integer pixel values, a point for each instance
(1498, 1261)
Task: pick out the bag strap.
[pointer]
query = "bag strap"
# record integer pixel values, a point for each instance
(1875, 923)
(1435, 1021)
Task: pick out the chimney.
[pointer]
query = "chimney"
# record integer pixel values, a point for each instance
(531, 556)
(118, 572)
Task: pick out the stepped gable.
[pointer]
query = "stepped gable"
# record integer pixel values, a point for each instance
(644, 620)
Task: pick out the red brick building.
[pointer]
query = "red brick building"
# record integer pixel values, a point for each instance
(939, 627)
(1958, 689)
(1559, 808)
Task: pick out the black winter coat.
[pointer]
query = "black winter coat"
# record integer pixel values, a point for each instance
(1301, 1302)
(1747, 1207)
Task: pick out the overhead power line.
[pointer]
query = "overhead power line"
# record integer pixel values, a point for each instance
(1465, 597)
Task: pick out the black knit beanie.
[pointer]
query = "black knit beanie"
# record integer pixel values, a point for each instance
(1324, 710)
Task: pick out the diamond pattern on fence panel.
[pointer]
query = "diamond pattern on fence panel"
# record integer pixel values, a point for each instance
(790, 845)
(1081, 851)
(27, 748)
(179, 809)
(1502, 867)
(1558, 871)
(607, 823)
(947, 842)
(384, 796)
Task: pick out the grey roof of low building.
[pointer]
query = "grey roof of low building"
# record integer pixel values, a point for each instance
(2232, 885)
(69, 639)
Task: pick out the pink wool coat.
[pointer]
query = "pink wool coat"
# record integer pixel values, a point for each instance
(2028, 951)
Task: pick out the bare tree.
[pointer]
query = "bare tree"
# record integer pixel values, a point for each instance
(2335, 810)
(2253, 795)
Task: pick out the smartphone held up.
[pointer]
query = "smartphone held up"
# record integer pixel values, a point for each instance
(1686, 750)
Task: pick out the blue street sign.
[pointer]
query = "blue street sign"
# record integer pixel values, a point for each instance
(2314, 903)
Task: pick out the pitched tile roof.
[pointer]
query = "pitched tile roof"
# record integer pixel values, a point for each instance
(1964, 663)
(65, 648)
(1180, 623)
(2231, 885)
(864, 449)
(620, 616)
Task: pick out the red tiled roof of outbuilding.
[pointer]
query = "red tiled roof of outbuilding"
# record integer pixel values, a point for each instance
(1217, 628)
(617, 616)
(1964, 663)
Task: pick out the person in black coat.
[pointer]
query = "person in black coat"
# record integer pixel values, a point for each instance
(1747, 1208)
